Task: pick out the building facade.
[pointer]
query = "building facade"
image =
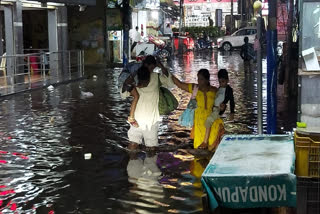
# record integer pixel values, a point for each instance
(197, 12)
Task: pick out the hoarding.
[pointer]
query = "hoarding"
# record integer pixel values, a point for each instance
(77, 2)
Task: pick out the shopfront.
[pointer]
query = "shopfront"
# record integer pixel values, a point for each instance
(145, 16)
(114, 32)
(309, 67)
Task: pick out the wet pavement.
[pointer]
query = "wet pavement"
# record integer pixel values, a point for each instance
(44, 135)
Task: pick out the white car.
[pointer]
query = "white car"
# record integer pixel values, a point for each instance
(236, 39)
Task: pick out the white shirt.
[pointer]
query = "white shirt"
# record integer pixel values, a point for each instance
(220, 96)
(147, 110)
(136, 36)
(168, 30)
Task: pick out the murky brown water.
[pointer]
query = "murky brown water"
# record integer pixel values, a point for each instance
(44, 135)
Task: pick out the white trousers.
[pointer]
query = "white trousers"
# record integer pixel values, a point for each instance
(150, 137)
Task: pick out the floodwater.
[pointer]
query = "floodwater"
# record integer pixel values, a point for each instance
(45, 134)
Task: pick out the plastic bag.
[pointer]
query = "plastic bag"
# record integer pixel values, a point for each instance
(167, 101)
(187, 117)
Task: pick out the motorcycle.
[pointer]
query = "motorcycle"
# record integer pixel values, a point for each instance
(141, 56)
(163, 50)
(204, 43)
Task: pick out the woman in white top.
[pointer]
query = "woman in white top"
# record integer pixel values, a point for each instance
(147, 109)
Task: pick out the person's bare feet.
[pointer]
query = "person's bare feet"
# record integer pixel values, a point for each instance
(204, 145)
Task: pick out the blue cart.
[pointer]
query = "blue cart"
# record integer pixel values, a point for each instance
(251, 171)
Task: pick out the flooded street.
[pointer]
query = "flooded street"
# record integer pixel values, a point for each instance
(45, 133)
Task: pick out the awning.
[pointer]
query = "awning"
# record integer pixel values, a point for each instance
(169, 8)
(169, 3)
(70, 2)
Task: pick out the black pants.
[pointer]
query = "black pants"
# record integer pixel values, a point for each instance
(133, 45)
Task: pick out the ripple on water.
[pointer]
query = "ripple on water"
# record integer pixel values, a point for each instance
(45, 133)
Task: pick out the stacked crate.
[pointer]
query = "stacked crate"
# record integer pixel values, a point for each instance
(307, 148)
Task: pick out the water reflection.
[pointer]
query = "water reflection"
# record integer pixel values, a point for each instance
(45, 134)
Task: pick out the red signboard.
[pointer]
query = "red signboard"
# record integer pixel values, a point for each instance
(177, 2)
(282, 19)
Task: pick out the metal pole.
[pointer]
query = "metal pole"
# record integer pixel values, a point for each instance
(291, 74)
(42, 66)
(241, 9)
(82, 57)
(231, 29)
(272, 69)
(29, 75)
(79, 61)
(1, 34)
(69, 64)
(259, 71)
(180, 47)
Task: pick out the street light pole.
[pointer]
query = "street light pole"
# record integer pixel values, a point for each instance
(257, 7)
(231, 29)
(259, 71)
(126, 12)
(180, 47)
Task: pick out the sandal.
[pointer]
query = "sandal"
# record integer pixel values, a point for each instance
(133, 122)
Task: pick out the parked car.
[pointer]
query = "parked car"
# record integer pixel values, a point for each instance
(236, 39)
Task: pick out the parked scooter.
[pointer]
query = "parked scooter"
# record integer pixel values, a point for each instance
(162, 49)
(204, 43)
(142, 55)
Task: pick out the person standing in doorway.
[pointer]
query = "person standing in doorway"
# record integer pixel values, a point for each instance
(136, 38)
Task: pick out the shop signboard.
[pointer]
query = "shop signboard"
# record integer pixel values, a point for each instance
(152, 4)
(282, 19)
(77, 2)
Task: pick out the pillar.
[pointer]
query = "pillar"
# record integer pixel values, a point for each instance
(62, 31)
(8, 23)
(231, 15)
(180, 47)
(18, 41)
(53, 43)
(1, 34)
(58, 43)
(126, 12)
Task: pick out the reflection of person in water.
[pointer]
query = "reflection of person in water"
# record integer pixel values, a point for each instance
(197, 167)
(142, 169)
